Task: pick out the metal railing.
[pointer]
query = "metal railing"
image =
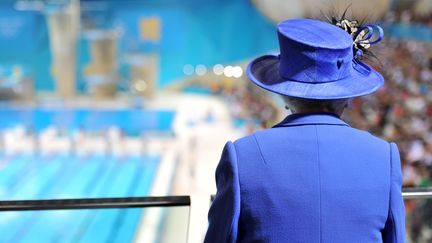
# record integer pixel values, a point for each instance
(408, 193)
(95, 203)
(139, 202)
(417, 193)
(103, 203)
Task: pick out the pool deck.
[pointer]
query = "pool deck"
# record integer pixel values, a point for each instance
(202, 127)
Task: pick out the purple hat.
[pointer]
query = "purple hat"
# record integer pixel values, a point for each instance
(316, 61)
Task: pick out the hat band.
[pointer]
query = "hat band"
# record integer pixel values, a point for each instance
(361, 67)
(357, 65)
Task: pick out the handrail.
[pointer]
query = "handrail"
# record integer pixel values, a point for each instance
(407, 193)
(95, 203)
(139, 202)
(417, 193)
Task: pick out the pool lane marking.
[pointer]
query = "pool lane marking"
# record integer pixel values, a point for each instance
(104, 218)
(10, 173)
(143, 170)
(51, 186)
(39, 227)
(82, 223)
(67, 231)
(27, 171)
(27, 191)
(130, 217)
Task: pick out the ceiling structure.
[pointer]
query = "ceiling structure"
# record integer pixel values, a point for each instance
(278, 10)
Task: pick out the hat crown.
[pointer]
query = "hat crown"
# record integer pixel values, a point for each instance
(315, 33)
(313, 51)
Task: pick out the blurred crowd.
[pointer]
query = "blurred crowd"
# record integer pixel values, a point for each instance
(407, 16)
(250, 107)
(402, 110)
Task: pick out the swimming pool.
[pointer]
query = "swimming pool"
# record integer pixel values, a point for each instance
(33, 177)
(28, 176)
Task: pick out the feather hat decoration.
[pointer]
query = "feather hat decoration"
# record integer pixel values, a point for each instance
(363, 35)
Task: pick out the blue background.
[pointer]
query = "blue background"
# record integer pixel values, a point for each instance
(193, 32)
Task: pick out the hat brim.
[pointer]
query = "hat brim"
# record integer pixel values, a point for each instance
(264, 72)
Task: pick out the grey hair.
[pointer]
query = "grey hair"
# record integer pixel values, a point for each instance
(300, 104)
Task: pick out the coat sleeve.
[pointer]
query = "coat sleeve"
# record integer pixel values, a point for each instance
(394, 230)
(225, 210)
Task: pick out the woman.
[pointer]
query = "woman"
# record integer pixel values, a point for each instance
(312, 177)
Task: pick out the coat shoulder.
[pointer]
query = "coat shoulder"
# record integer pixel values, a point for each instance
(368, 135)
(293, 132)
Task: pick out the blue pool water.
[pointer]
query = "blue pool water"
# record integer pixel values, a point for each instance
(131, 121)
(27, 177)
(32, 177)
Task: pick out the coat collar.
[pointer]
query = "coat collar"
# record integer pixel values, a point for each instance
(312, 119)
